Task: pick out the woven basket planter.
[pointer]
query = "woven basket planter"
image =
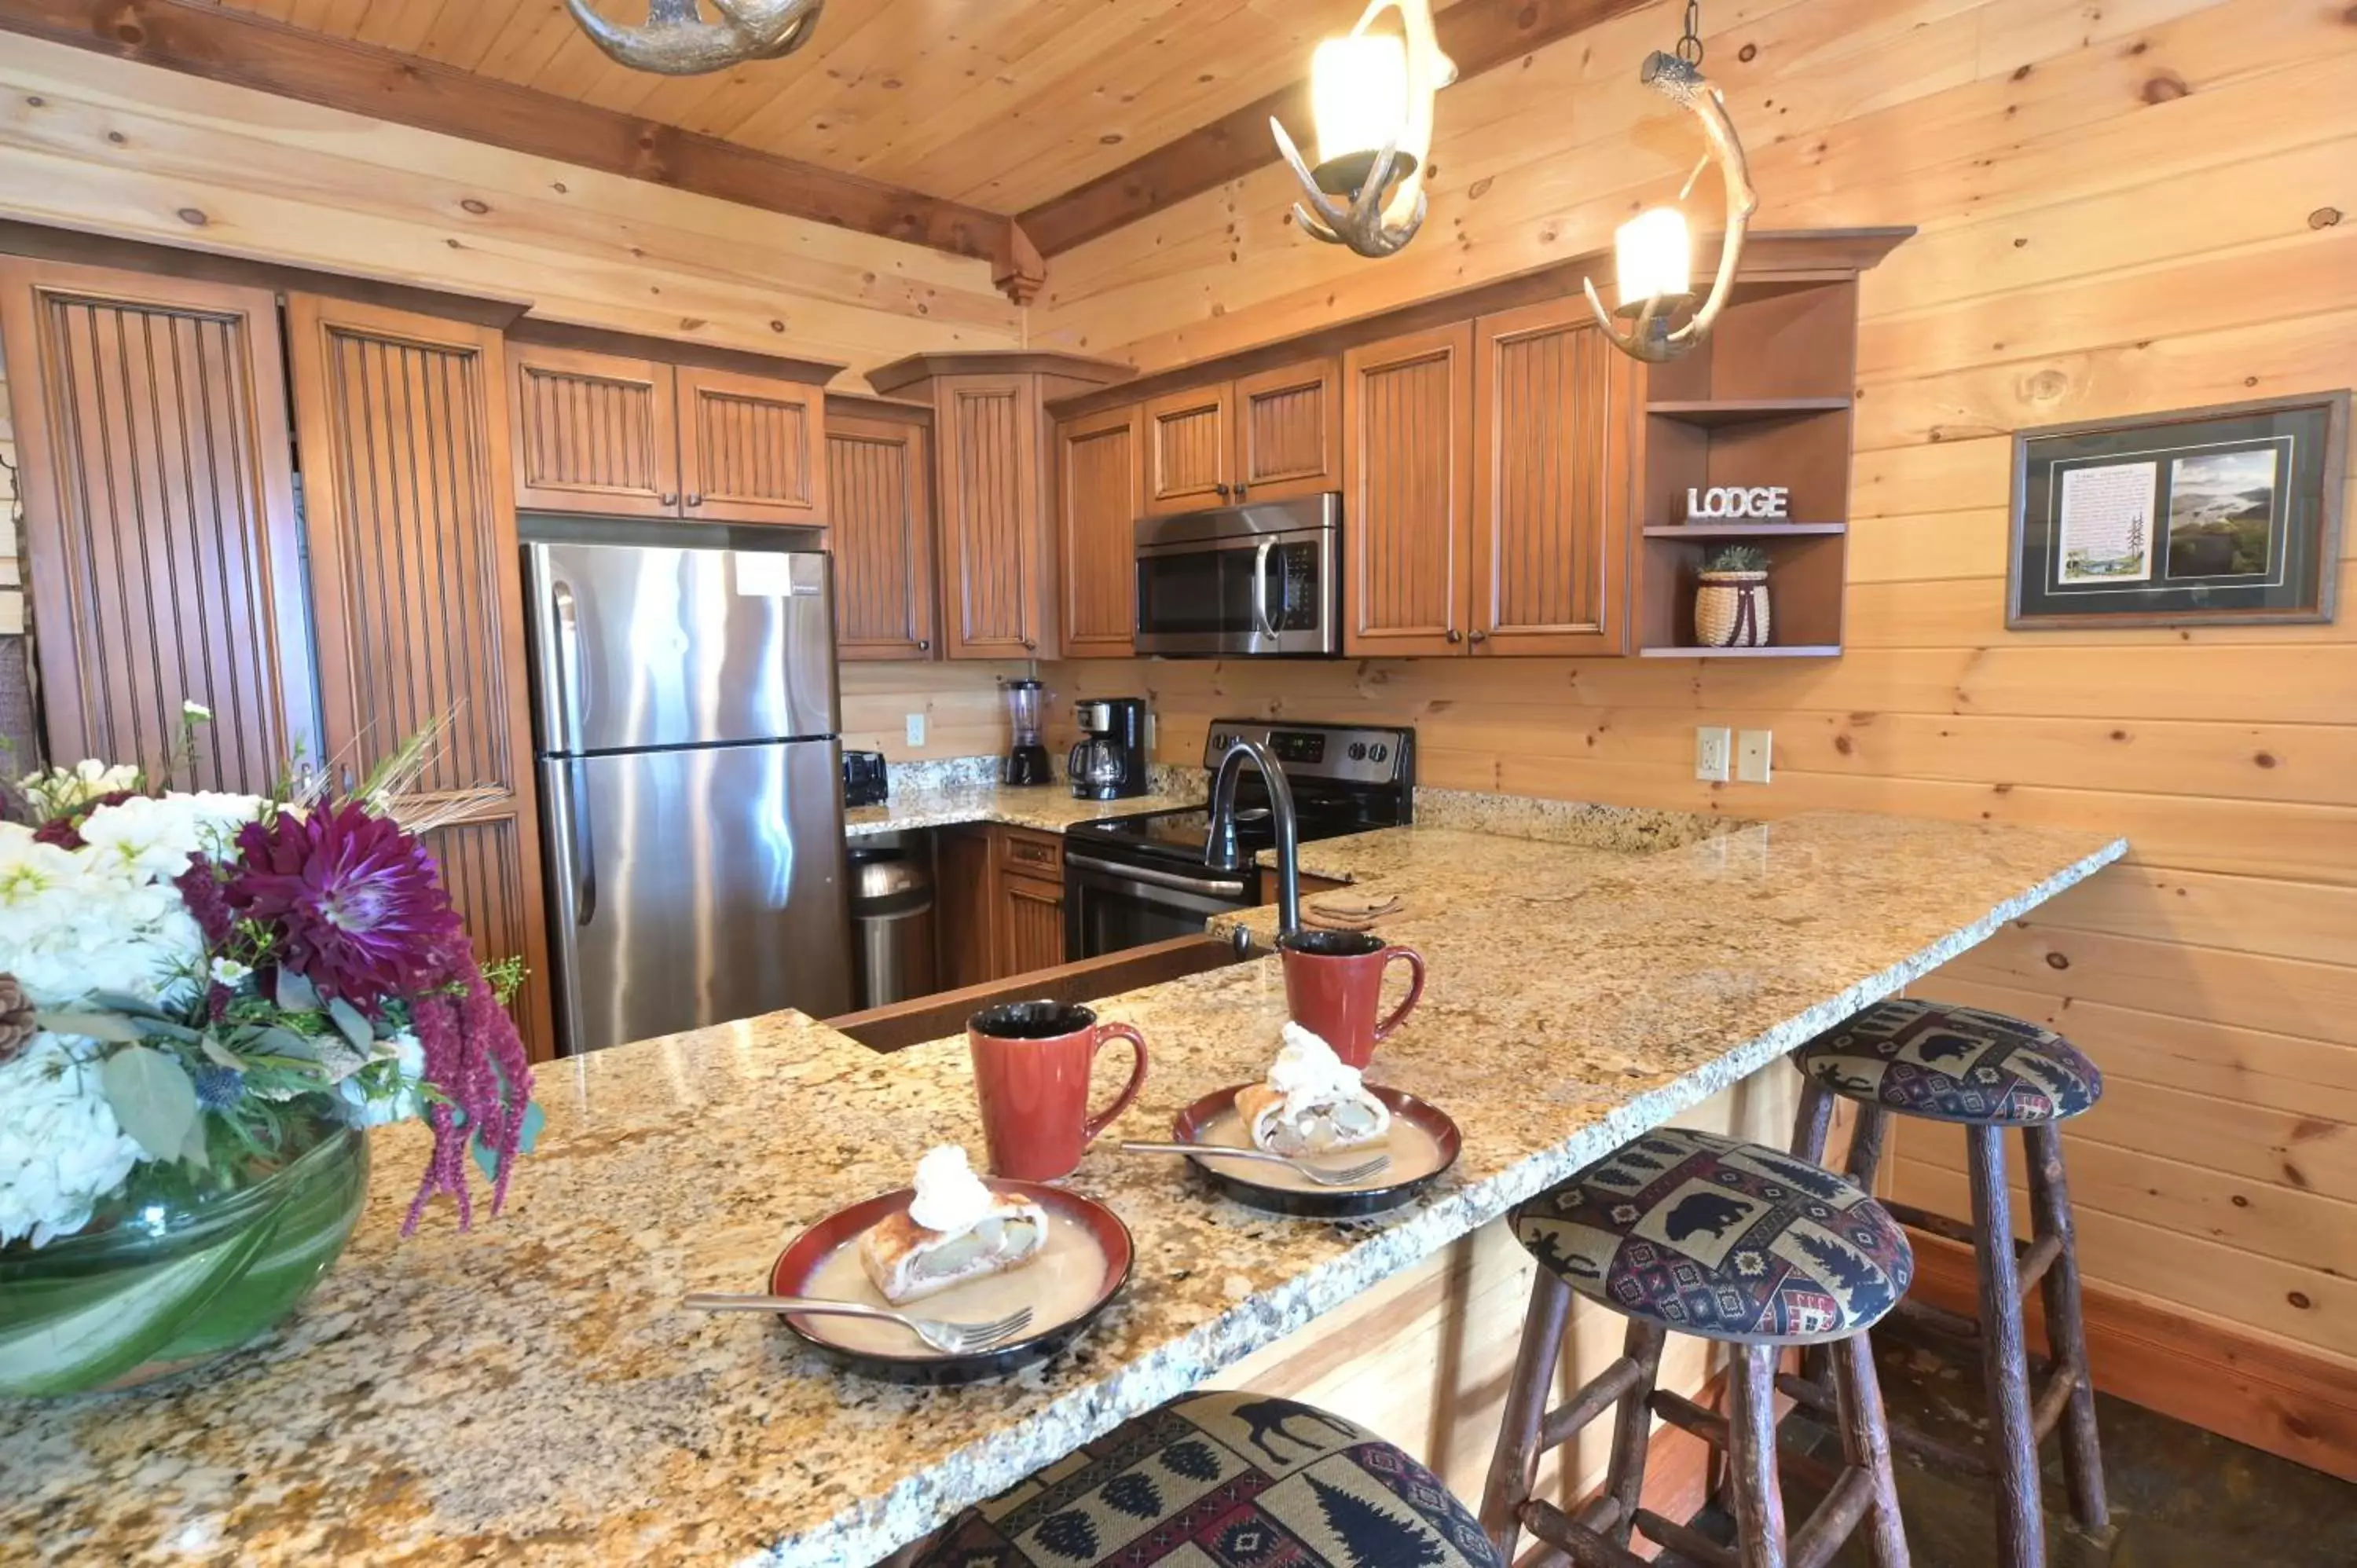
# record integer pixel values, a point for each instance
(1731, 609)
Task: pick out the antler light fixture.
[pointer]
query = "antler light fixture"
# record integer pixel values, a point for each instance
(1371, 95)
(1653, 250)
(677, 40)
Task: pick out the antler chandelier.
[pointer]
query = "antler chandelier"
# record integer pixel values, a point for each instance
(677, 41)
(1372, 96)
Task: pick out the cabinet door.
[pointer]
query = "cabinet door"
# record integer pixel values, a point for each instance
(594, 433)
(414, 576)
(992, 560)
(1031, 925)
(1407, 416)
(1289, 432)
(1188, 451)
(965, 896)
(880, 475)
(1099, 494)
(751, 450)
(1556, 411)
(164, 554)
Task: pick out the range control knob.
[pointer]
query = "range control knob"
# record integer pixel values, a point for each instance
(1358, 751)
(1380, 753)
(1222, 741)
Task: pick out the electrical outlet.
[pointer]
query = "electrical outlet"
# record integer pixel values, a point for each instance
(916, 729)
(1754, 749)
(1711, 748)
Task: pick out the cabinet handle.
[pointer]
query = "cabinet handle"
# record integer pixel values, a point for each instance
(695, 500)
(1481, 637)
(1029, 644)
(924, 645)
(1454, 634)
(670, 498)
(1223, 490)
(1240, 491)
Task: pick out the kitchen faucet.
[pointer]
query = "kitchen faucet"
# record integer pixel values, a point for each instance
(1219, 851)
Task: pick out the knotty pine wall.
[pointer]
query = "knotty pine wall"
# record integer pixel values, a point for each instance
(2127, 207)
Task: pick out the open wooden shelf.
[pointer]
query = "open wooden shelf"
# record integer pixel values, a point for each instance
(1774, 651)
(1741, 529)
(1715, 412)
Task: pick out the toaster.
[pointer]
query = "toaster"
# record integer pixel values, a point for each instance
(864, 782)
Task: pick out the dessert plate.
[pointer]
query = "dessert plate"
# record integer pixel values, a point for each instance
(1077, 1273)
(1423, 1144)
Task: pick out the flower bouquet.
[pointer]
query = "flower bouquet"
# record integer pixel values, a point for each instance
(204, 998)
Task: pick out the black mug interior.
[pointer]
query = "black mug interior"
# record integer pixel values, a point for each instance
(1042, 1020)
(1330, 944)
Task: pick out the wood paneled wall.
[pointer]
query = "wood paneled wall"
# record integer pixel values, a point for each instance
(965, 715)
(2139, 206)
(96, 143)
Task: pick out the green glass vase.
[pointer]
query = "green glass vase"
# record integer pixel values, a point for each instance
(166, 1288)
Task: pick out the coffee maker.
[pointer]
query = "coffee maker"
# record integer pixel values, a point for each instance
(1109, 763)
(1026, 760)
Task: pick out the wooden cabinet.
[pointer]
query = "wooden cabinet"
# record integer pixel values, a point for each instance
(1289, 432)
(164, 551)
(417, 593)
(999, 901)
(1555, 411)
(1031, 925)
(1407, 416)
(1189, 450)
(625, 435)
(965, 905)
(880, 481)
(1098, 498)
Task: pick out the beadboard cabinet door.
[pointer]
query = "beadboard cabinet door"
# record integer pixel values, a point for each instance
(1189, 450)
(1407, 470)
(880, 475)
(1031, 932)
(416, 592)
(751, 450)
(1555, 427)
(594, 433)
(1099, 477)
(1289, 432)
(164, 554)
(998, 583)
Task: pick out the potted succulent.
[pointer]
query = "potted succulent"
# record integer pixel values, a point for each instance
(205, 1000)
(1731, 598)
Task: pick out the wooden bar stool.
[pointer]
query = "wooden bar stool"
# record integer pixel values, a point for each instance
(1229, 1479)
(1988, 1073)
(1682, 1231)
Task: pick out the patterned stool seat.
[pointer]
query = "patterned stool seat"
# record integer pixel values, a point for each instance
(1954, 1064)
(1726, 1240)
(1223, 1481)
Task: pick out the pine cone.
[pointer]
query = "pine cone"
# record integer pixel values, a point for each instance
(17, 1025)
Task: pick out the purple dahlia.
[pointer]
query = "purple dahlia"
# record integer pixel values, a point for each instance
(353, 900)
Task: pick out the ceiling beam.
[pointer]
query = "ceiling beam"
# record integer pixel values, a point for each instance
(254, 51)
(1478, 34)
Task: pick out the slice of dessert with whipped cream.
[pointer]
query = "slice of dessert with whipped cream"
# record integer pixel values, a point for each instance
(1312, 1103)
(955, 1229)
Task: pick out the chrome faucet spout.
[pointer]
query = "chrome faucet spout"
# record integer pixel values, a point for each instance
(1221, 852)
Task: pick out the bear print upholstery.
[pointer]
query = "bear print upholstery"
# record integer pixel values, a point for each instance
(1954, 1064)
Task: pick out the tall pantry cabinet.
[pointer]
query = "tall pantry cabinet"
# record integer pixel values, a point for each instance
(166, 427)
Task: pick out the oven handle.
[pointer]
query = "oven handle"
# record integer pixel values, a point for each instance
(1210, 889)
(1260, 588)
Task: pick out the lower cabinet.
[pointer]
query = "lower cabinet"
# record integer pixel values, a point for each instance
(1031, 925)
(965, 906)
(999, 902)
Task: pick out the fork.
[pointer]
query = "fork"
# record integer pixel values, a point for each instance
(949, 1338)
(1349, 1176)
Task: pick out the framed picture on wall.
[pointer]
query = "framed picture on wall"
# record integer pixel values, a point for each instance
(2209, 516)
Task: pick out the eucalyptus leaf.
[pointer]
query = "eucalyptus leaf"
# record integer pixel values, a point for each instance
(169, 1030)
(284, 1042)
(153, 1097)
(123, 1001)
(220, 1055)
(487, 1160)
(193, 1149)
(108, 1026)
(296, 995)
(356, 1029)
(339, 1061)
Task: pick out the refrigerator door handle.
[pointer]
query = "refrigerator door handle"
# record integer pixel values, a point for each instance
(568, 668)
(583, 833)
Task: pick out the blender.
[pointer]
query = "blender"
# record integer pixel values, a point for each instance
(1026, 761)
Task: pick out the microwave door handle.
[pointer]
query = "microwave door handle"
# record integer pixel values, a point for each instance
(1261, 623)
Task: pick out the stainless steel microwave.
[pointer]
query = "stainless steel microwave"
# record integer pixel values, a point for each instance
(1258, 580)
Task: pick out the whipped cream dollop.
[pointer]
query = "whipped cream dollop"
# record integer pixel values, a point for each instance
(950, 1197)
(1308, 1073)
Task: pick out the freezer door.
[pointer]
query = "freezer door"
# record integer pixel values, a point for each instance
(694, 887)
(641, 646)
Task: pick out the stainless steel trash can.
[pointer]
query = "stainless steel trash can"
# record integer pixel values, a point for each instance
(891, 926)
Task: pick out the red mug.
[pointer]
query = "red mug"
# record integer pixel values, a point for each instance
(1031, 1062)
(1334, 983)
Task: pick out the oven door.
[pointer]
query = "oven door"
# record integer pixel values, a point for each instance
(1110, 907)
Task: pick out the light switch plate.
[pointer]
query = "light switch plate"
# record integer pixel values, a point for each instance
(1754, 751)
(1711, 748)
(916, 729)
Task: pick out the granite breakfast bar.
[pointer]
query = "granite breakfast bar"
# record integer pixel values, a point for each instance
(534, 1391)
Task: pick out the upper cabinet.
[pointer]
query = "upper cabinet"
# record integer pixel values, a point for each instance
(1407, 492)
(671, 431)
(1189, 460)
(879, 479)
(1289, 432)
(1098, 500)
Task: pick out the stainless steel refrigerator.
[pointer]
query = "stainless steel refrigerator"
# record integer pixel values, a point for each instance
(690, 782)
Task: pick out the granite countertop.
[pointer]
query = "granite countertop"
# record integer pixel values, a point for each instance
(967, 789)
(534, 1391)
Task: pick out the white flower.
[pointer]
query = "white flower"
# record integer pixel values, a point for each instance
(60, 1148)
(64, 790)
(147, 838)
(230, 972)
(391, 1088)
(196, 711)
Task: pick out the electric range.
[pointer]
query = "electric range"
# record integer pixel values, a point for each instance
(1129, 881)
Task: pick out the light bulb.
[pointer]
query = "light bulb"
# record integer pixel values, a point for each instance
(1358, 95)
(1655, 257)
